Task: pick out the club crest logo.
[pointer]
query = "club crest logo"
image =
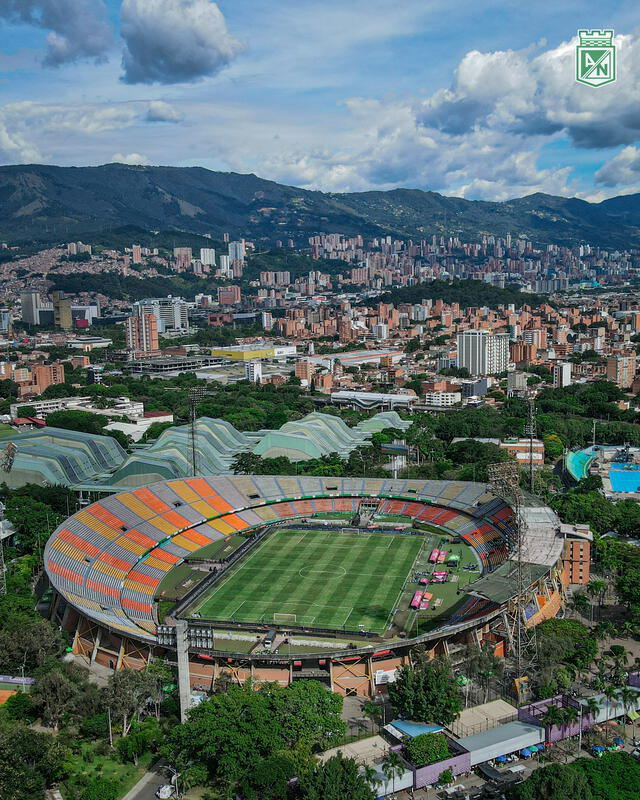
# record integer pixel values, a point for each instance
(595, 58)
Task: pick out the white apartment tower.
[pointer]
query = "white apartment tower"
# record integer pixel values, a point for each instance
(253, 371)
(483, 352)
(561, 375)
(208, 256)
(171, 312)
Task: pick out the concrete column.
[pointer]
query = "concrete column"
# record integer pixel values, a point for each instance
(120, 655)
(184, 680)
(96, 645)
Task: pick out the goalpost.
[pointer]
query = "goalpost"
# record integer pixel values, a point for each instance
(284, 619)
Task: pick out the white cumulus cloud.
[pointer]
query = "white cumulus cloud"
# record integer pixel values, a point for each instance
(78, 29)
(159, 111)
(623, 169)
(174, 41)
(133, 159)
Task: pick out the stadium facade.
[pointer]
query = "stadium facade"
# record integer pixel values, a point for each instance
(106, 562)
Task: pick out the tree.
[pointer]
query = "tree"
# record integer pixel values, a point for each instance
(338, 778)
(392, 768)
(580, 603)
(553, 447)
(552, 717)
(30, 762)
(126, 696)
(374, 711)
(426, 692)
(611, 693)
(53, 696)
(485, 666)
(26, 642)
(33, 521)
(101, 789)
(84, 421)
(229, 735)
(445, 777)
(627, 698)
(555, 782)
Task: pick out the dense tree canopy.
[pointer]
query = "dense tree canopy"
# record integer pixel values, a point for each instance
(615, 776)
(231, 735)
(426, 692)
(29, 762)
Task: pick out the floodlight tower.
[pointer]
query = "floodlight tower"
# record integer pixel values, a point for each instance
(530, 431)
(3, 577)
(196, 393)
(6, 463)
(504, 480)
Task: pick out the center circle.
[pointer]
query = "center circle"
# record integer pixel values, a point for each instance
(304, 571)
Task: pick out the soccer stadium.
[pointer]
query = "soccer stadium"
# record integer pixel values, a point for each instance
(279, 578)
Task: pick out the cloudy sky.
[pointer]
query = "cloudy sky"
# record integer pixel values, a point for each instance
(466, 97)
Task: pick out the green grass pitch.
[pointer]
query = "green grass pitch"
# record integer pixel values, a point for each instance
(327, 579)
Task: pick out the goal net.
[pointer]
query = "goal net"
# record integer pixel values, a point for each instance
(284, 619)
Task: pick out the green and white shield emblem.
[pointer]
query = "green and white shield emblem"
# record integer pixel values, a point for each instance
(595, 58)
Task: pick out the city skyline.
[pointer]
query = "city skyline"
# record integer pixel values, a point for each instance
(481, 103)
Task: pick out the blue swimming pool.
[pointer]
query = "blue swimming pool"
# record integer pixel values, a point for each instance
(625, 477)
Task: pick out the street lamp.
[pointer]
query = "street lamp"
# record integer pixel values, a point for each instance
(176, 775)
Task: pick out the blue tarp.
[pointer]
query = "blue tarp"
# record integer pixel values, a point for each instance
(525, 753)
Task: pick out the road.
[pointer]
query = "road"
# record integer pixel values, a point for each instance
(146, 787)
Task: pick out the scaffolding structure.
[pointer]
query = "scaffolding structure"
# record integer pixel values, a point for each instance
(504, 479)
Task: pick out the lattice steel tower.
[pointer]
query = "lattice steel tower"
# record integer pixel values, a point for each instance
(530, 430)
(504, 479)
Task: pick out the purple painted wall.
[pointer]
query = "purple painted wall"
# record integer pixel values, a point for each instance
(459, 762)
(534, 711)
(425, 776)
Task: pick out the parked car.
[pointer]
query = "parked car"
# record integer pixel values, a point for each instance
(165, 791)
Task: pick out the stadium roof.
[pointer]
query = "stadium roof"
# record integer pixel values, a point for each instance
(502, 583)
(543, 539)
(59, 456)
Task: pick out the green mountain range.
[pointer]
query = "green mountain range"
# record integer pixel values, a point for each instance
(46, 204)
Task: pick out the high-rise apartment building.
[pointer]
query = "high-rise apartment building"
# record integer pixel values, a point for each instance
(622, 369)
(253, 371)
(208, 256)
(62, 317)
(229, 295)
(483, 352)
(142, 334)
(561, 375)
(182, 256)
(30, 302)
(45, 375)
(237, 251)
(304, 371)
(170, 312)
(136, 254)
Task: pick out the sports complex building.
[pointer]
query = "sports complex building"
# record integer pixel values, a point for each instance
(617, 465)
(280, 578)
